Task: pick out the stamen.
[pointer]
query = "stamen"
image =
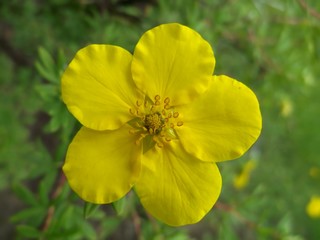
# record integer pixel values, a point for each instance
(176, 114)
(132, 131)
(179, 124)
(139, 103)
(131, 111)
(157, 98)
(160, 144)
(167, 100)
(166, 106)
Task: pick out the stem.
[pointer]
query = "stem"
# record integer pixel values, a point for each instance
(309, 9)
(56, 190)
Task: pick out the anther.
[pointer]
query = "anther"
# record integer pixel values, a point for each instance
(179, 124)
(170, 115)
(132, 131)
(168, 139)
(139, 103)
(163, 112)
(171, 125)
(167, 100)
(157, 102)
(159, 144)
(131, 111)
(157, 98)
(166, 106)
(176, 114)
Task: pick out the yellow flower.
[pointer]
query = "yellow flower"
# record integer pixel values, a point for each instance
(156, 120)
(240, 181)
(313, 207)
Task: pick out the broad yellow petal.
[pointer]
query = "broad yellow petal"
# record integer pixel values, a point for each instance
(174, 61)
(223, 123)
(97, 87)
(174, 187)
(102, 166)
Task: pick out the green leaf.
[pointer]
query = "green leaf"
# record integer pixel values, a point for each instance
(45, 188)
(45, 57)
(25, 194)
(89, 209)
(120, 206)
(46, 66)
(47, 74)
(47, 91)
(34, 213)
(28, 231)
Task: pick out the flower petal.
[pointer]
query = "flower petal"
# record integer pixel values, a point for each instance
(174, 61)
(223, 123)
(174, 187)
(102, 166)
(97, 87)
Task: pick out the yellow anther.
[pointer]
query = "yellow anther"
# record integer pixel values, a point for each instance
(132, 131)
(160, 144)
(138, 141)
(179, 124)
(157, 98)
(167, 100)
(157, 102)
(139, 103)
(131, 111)
(171, 125)
(166, 106)
(168, 139)
(176, 114)
(170, 115)
(163, 112)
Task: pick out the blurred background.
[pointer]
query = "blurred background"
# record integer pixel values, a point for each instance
(272, 46)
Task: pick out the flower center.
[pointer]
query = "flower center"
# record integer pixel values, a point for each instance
(154, 121)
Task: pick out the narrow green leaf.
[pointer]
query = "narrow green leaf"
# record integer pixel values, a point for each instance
(27, 214)
(25, 195)
(120, 206)
(46, 58)
(45, 188)
(48, 75)
(47, 91)
(89, 209)
(28, 232)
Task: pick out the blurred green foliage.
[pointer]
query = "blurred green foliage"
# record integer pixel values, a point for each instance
(272, 46)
